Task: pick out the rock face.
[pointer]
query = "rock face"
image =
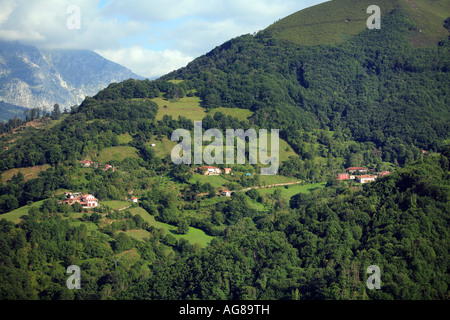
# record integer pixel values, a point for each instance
(34, 78)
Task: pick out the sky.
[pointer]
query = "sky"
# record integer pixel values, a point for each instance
(149, 37)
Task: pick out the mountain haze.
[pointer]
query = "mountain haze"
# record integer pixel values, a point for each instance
(34, 78)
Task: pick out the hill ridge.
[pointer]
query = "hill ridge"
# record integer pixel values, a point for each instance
(337, 20)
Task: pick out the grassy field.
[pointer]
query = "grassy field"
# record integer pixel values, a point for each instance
(293, 190)
(138, 234)
(28, 173)
(193, 236)
(15, 215)
(215, 181)
(241, 114)
(117, 153)
(275, 179)
(188, 107)
(163, 146)
(285, 151)
(336, 21)
(116, 205)
(124, 138)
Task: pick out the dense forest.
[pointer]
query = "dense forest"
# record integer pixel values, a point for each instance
(375, 100)
(316, 247)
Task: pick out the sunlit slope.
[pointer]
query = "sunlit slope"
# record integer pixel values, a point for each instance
(337, 20)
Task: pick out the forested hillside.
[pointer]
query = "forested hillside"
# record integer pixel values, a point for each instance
(318, 248)
(376, 87)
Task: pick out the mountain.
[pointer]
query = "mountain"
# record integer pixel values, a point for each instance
(378, 84)
(338, 20)
(9, 111)
(34, 78)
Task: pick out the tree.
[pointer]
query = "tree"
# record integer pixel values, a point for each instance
(8, 203)
(183, 227)
(123, 242)
(56, 113)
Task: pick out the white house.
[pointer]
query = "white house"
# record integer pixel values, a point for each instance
(210, 171)
(226, 193)
(366, 178)
(87, 201)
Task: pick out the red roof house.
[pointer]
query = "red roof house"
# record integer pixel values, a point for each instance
(343, 176)
(356, 169)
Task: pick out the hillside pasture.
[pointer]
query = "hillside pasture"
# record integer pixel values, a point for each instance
(188, 107)
(194, 235)
(117, 153)
(28, 173)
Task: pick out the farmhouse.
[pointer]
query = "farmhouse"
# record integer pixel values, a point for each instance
(86, 163)
(226, 193)
(383, 173)
(227, 170)
(86, 200)
(134, 199)
(366, 178)
(209, 170)
(343, 176)
(356, 169)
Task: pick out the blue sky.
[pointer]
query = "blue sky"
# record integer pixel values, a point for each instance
(151, 37)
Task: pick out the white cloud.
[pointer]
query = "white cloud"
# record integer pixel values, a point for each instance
(147, 63)
(6, 7)
(44, 24)
(150, 37)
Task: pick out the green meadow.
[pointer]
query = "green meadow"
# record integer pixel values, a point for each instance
(240, 114)
(16, 215)
(335, 21)
(188, 107)
(117, 153)
(292, 190)
(193, 236)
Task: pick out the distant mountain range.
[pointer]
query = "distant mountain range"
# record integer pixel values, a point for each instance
(35, 78)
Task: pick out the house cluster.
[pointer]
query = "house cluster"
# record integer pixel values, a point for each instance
(357, 173)
(213, 171)
(88, 163)
(87, 201)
